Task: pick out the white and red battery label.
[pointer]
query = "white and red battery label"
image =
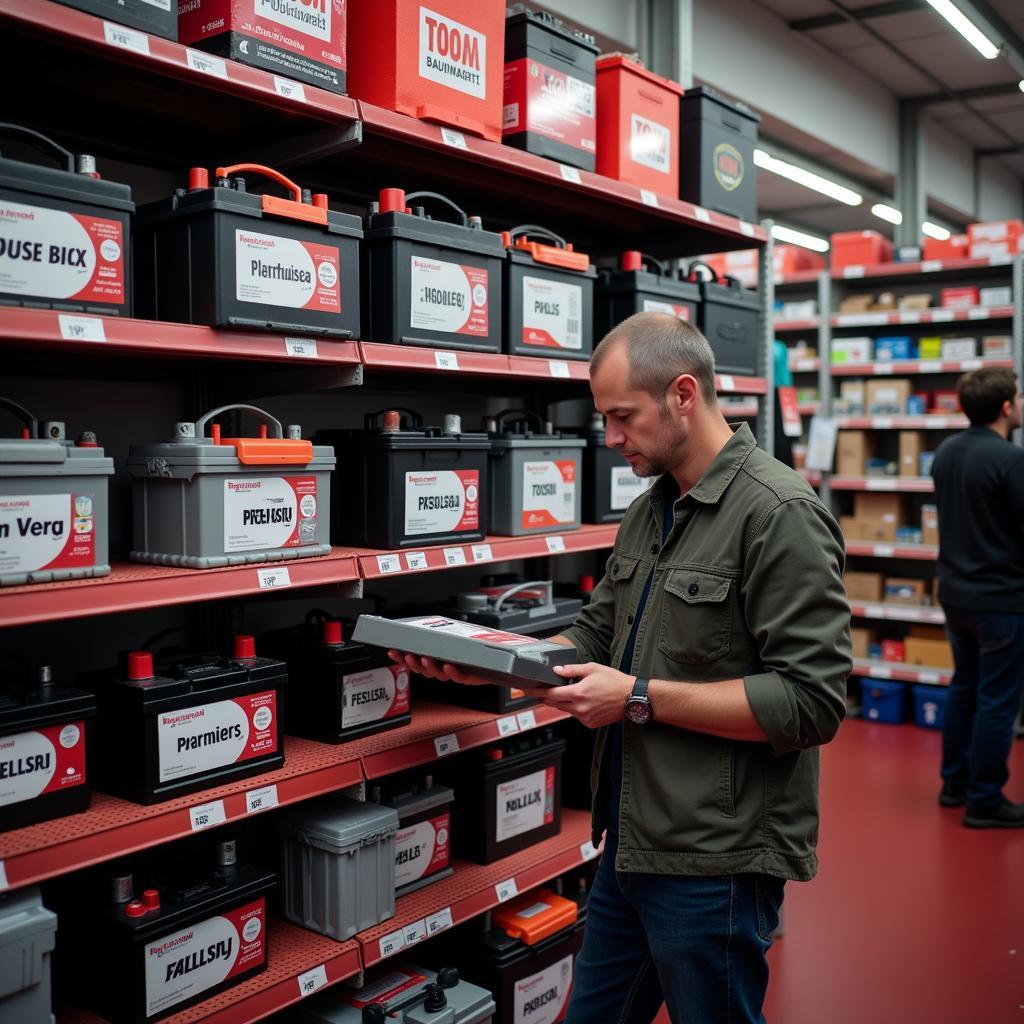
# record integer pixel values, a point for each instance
(422, 849)
(46, 531)
(44, 760)
(205, 737)
(185, 963)
(672, 308)
(269, 512)
(551, 313)
(448, 297)
(524, 804)
(626, 487)
(59, 255)
(374, 695)
(452, 54)
(275, 271)
(384, 989)
(548, 102)
(549, 493)
(309, 17)
(543, 998)
(650, 144)
(474, 632)
(446, 501)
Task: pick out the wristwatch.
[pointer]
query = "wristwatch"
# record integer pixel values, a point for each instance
(638, 705)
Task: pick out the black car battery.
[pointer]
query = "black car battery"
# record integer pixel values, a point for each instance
(46, 751)
(717, 138)
(191, 722)
(609, 484)
(431, 282)
(730, 317)
(65, 234)
(642, 284)
(399, 484)
(549, 296)
(550, 103)
(338, 689)
(157, 17)
(227, 257)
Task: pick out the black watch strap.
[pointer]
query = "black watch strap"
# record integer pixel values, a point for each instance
(640, 687)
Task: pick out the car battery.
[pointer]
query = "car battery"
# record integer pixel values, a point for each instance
(46, 752)
(730, 318)
(302, 39)
(549, 296)
(65, 234)
(716, 153)
(404, 995)
(550, 103)
(27, 931)
(610, 485)
(202, 502)
(188, 723)
(637, 125)
(642, 284)
(171, 934)
(339, 689)
(535, 476)
(338, 866)
(227, 257)
(431, 282)
(53, 503)
(440, 62)
(157, 17)
(423, 848)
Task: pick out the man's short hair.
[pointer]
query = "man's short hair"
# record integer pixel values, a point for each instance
(983, 392)
(660, 347)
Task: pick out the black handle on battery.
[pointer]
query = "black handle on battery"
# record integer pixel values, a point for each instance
(260, 414)
(447, 977)
(415, 419)
(460, 213)
(691, 272)
(662, 267)
(23, 414)
(39, 141)
(526, 230)
(525, 414)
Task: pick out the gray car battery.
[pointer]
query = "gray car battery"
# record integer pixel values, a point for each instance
(509, 659)
(338, 866)
(27, 931)
(53, 503)
(203, 502)
(535, 476)
(404, 995)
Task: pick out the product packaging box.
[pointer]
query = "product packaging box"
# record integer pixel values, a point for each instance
(893, 650)
(929, 524)
(929, 348)
(904, 591)
(995, 239)
(851, 350)
(864, 248)
(863, 586)
(867, 529)
(917, 300)
(911, 445)
(953, 248)
(853, 392)
(959, 348)
(853, 448)
(880, 506)
(945, 401)
(999, 296)
(959, 298)
(917, 403)
(932, 653)
(887, 397)
(890, 348)
(996, 346)
(862, 639)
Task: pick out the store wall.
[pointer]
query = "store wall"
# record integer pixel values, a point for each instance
(615, 18)
(1001, 194)
(948, 168)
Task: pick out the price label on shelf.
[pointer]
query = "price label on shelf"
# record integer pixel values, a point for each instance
(506, 890)
(389, 563)
(648, 198)
(206, 64)
(747, 229)
(301, 348)
(978, 314)
(880, 673)
(415, 932)
(4, 884)
(452, 138)
(446, 360)
(884, 550)
(482, 553)
(445, 745)
(999, 261)
(81, 328)
(971, 364)
(126, 38)
(508, 725)
(883, 369)
(928, 677)
(883, 422)
(930, 266)
(274, 579)
(854, 271)
(527, 719)
(289, 90)
(588, 851)
(570, 174)
(558, 368)
(207, 815)
(393, 943)
(555, 544)
(416, 560)
(930, 366)
(726, 383)
(312, 981)
(874, 611)
(939, 315)
(257, 800)
(439, 922)
(454, 556)
(876, 485)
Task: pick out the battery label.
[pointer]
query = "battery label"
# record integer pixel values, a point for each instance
(199, 739)
(422, 849)
(650, 143)
(42, 761)
(673, 309)
(447, 501)
(551, 313)
(548, 102)
(275, 271)
(549, 493)
(47, 531)
(59, 255)
(374, 695)
(185, 963)
(626, 487)
(524, 804)
(311, 17)
(452, 54)
(383, 990)
(543, 998)
(269, 512)
(163, 5)
(468, 629)
(448, 297)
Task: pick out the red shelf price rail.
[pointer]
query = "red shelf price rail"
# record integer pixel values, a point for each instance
(919, 484)
(922, 316)
(901, 672)
(898, 613)
(923, 267)
(873, 549)
(912, 366)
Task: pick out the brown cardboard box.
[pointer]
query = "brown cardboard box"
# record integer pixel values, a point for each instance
(887, 397)
(862, 640)
(884, 301)
(853, 393)
(867, 529)
(930, 653)
(904, 591)
(863, 586)
(923, 632)
(929, 524)
(853, 449)
(856, 303)
(917, 300)
(911, 446)
(881, 506)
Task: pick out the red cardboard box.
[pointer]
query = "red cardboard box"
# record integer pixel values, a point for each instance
(956, 247)
(860, 248)
(959, 298)
(637, 125)
(443, 63)
(945, 402)
(789, 259)
(893, 650)
(995, 238)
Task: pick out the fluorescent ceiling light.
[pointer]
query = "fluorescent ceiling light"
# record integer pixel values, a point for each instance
(889, 213)
(935, 231)
(1021, 84)
(807, 178)
(966, 28)
(799, 238)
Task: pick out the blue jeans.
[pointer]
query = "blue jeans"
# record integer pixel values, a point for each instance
(695, 942)
(983, 702)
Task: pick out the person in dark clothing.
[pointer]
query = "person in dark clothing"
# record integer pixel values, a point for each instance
(979, 490)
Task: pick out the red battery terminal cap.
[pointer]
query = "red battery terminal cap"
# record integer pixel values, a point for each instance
(320, 200)
(495, 754)
(586, 584)
(392, 421)
(632, 259)
(151, 899)
(245, 648)
(135, 909)
(140, 665)
(332, 634)
(198, 178)
(392, 200)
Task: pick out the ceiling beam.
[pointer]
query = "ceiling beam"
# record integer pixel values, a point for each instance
(981, 93)
(861, 14)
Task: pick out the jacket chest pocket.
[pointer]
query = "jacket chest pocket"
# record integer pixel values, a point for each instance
(696, 620)
(623, 573)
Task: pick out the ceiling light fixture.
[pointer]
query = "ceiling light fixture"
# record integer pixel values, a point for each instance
(801, 238)
(807, 178)
(981, 42)
(1021, 84)
(889, 213)
(935, 231)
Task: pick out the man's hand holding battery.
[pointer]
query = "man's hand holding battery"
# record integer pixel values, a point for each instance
(596, 698)
(445, 671)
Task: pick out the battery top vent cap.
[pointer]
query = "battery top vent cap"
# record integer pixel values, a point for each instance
(245, 648)
(332, 634)
(140, 665)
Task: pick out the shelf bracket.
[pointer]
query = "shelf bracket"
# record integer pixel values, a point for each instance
(306, 149)
(284, 381)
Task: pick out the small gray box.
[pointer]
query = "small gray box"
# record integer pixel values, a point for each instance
(27, 931)
(338, 866)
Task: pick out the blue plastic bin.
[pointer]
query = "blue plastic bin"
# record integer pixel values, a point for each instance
(929, 705)
(882, 700)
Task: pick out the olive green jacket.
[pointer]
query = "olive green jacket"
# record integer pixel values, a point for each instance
(747, 585)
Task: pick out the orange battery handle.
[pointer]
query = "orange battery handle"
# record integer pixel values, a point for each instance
(293, 209)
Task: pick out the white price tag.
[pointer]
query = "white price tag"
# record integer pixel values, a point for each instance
(939, 315)
(648, 198)
(555, 544)
(726, 383)
(446, 360)
(928, 677)
(392, 943)
(930, 266)
(588, 851)
(930, 366)
(506, 890)
(570, 174)
(445, 745)
(702, 215)
(452, 138)
(416, 560)
(978, 314)
(527, 719)
(883, 423)
(81, 328)
(971, 364)
(388, 564)
(289, 90)
(301, 348)
(883, 369)
(508, 725)
(482, 553)
(440, 921)
(884, 550)
(312, 981)
(747, 229)
(999, 261)
(4, 884)
(207, 815)
(126, 38)
(454, 556)
(874, 611)
(876, 485)
(415, 932)
(206, 63)
(880, 673)
(274, 579)
(558, 368)
(908, 318)
(854, 271)
(260, 799)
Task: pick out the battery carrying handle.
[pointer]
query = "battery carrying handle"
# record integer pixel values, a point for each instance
(293, 208)
(460, 214)
(523, 414)
(698, 265)
(273, 425)
(39, 141)
(22, 414)
(659, 266)
(536, 231)
(545, 585)
(560, 254)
